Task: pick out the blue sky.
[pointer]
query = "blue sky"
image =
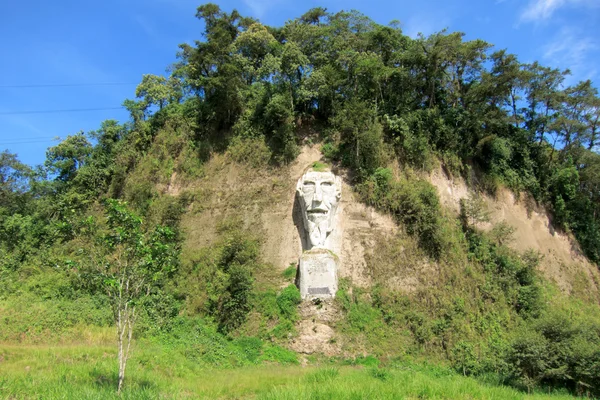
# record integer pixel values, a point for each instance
(116, 41)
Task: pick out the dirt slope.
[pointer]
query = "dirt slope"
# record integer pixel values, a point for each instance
(265, 201)
(562, 260)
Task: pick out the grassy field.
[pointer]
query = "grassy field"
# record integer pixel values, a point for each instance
(88, 371)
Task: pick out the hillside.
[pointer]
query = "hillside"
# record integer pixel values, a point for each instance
(562, 260)
(468, 237)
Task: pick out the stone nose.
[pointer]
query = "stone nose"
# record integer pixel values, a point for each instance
(318, 197)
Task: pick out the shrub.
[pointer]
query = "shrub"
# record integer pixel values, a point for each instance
(559, 351)
(502, 233)
(166, 210)
(251, 347)
(413, 202)
(278, 120)
(412, 143)
(464, 359)
(252, 151)
(290, 272)
(231, 278)
(473, 210)
(288, 301)
(361, 145)
(330, 151)
(232, 305)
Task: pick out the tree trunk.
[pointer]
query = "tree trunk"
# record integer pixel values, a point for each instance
(125, 323)
(514, 107)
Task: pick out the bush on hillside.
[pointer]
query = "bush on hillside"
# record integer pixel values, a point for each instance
(252, 151)
(557, 351)
(412, 202)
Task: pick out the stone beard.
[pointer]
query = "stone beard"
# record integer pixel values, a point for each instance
(319, 194)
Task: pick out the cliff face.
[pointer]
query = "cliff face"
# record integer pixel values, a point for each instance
(263, 199)
(562, 261)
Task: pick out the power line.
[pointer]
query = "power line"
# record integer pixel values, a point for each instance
(59, 111)
(68, 85)
(26, 142)
(28, 137)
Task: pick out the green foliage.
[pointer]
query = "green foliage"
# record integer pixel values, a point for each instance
(362, 146)
(465, 359)
(250, 151)
(48, 317)
(66, 158)
(279, 354)
(378, 96)
(158, 90)
(473, 210)
(411, 143)
(200, 342)
(502, 233)
(219, 280)
(323, 375)
(413, 202)
(563, 189)
(278, 311)
(380, 373)
(514, 275)
(290, 272)
(319, 166)
(557, 350)
(330, 151)
(288, 301)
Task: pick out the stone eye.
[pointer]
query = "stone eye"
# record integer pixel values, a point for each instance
(326, 183)
(309, 186)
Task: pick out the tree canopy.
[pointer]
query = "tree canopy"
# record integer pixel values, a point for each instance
(369, 93)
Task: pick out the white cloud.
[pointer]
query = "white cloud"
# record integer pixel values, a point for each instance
(575, 51)
(539, 10)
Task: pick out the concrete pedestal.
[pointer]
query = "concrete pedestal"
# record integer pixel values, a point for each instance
(318, 274)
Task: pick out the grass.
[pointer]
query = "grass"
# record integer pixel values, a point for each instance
(319, 166)
(80, 371)
(290, 272)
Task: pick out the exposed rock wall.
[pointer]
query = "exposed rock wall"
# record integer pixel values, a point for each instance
(562, 260)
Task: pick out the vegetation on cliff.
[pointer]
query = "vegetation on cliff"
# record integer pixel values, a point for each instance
(375, 96)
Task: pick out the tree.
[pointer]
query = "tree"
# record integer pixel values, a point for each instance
(507, 78)
(64, 159)
(158, 90)
(542, 98)
(14, 177)
(314, 15)
(474, 210)
(128, 265)
(592, 122)
(570, 125)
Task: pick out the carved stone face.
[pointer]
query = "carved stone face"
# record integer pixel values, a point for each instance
(319, 194)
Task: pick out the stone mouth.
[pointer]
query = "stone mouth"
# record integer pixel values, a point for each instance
(318, 211)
